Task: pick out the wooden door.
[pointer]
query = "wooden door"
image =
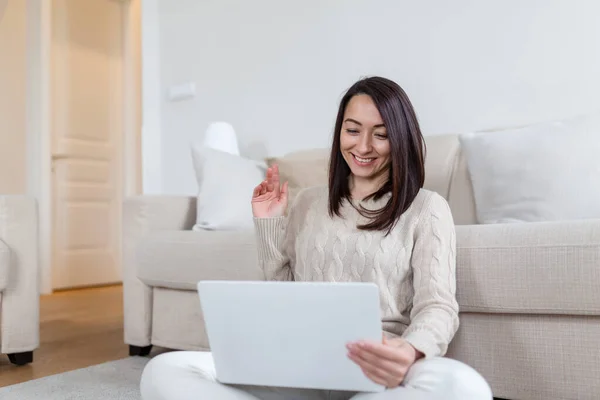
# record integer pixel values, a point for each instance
(87, 136)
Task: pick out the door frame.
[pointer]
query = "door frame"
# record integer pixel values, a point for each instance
(39, 130)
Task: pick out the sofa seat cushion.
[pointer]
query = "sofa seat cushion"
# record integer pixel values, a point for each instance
(529, 268)
(179, 259)
(4, 264)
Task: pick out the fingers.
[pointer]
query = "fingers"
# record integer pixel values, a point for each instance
(373, 360)
(273, 184)
(264, 187)
(375, 377)
(378, 374)
(383, 350)
(284, 191)
(269, 179)
(256, 191)
(379, 369)
(275, 180)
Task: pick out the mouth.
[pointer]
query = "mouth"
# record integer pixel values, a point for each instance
(363, 162)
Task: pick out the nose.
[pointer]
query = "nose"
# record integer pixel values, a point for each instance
(364, 145)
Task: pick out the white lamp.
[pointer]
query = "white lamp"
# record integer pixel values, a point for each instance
(221, 136)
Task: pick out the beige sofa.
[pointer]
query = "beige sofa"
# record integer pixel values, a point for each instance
(19, 292)
(529, 293)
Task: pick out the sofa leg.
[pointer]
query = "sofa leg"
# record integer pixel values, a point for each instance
(139, 351)
(21, 358)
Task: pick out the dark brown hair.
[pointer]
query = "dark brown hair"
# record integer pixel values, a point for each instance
(407, 154)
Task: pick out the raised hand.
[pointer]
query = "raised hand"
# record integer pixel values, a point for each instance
(270, 198)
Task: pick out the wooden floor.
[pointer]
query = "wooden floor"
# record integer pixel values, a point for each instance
(77, 329)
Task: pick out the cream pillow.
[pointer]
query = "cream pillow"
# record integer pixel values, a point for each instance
(302, 169)
(543, 172)
(226, 182)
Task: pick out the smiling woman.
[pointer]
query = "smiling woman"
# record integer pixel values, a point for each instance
(377, 149)
(373, 223)
(365, 145)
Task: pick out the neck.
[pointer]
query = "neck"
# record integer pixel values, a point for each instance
(363, 187)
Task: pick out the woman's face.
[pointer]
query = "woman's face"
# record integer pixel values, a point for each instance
(364, 142)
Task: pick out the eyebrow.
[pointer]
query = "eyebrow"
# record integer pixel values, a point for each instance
(359, 124)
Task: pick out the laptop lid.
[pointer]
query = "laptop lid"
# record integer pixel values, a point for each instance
(290, 334)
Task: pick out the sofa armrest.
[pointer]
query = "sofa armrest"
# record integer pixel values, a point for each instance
(19, 321)
(142, 214)
(534, 268)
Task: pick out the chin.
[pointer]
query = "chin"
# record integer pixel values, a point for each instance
(362, 172)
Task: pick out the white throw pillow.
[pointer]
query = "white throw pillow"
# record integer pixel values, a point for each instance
(543, 172)
(226, 182)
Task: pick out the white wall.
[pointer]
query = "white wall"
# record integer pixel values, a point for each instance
(13, 107)
(276, 70)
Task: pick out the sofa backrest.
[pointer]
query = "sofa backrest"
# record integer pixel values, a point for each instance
(461, 198)
(446, 173)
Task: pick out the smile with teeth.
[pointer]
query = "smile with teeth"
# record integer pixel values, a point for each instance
(363, 161)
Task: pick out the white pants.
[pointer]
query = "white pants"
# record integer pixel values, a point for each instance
(190, 375)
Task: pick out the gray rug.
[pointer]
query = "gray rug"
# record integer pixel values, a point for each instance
(115, 380)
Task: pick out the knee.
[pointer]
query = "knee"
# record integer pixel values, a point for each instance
(453, 378)
(467, 382)
(154, 375)
(165, 370)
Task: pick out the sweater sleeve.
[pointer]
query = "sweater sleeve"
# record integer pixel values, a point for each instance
(434, 315)
(274, 248)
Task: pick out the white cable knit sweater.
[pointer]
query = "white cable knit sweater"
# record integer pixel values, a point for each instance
(414, 266)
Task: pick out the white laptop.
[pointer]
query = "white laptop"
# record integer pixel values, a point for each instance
(290, 334)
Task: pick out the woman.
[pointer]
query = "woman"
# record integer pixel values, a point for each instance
(372, 223)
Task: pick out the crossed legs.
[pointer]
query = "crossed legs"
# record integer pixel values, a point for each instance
(190, 375)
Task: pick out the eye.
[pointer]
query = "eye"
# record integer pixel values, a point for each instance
(381, 136)
(352, 131)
